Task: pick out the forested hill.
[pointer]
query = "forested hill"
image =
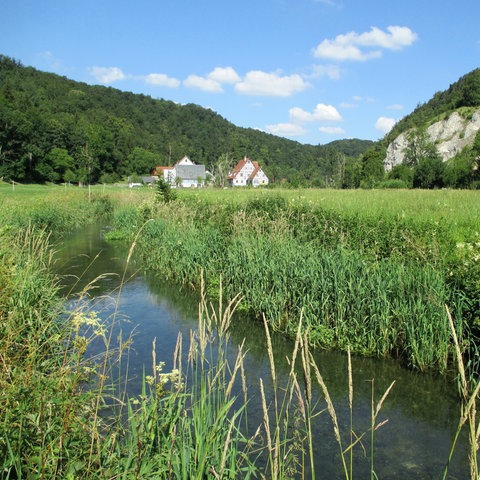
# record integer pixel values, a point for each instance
(465, 92)
(56, 129)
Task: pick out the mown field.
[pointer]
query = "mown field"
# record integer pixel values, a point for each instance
(370, 272)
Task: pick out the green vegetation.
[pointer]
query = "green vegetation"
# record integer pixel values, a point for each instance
(54, 129)
(187, 423)
(369, 271)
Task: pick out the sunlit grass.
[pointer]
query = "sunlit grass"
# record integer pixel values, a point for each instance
(53, 427)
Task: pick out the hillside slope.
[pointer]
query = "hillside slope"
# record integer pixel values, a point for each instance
(56, 129)
(450, 137)
(465, 92)
(438, 144)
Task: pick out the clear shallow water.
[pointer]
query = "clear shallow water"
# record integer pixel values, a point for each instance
(422, 410)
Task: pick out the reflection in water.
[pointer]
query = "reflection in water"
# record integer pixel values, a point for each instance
(422, 410)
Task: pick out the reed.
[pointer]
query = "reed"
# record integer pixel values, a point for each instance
(468, 413)
(187, 423)
(374, 304)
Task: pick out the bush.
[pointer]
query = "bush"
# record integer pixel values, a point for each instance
(164, 191)
(394, 183)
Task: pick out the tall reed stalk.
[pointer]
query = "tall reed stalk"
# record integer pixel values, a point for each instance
(468, 412)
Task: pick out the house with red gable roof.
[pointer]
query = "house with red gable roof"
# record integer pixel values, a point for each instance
(247, 172)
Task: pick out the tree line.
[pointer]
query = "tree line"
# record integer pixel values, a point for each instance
(53, 129)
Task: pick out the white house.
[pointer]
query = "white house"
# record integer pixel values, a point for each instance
(247, 172)
(184, 173)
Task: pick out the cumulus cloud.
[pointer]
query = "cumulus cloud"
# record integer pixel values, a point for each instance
(285, 130)
(107, 74)
(330, 71)
(365, 46)
(162, 80)
(260, 83)
(213, 81)
(224, 75)
(332, 130)
(203, 83)
(385, 124)
(298, 117)
(321, 113)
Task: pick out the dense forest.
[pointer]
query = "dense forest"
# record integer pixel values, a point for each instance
(55, 129)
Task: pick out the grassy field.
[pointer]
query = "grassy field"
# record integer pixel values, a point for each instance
(459, 210)
(363, 271)
(372, 271)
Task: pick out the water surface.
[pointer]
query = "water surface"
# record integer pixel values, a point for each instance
(422, 410)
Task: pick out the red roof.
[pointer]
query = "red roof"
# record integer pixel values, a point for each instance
(255, 170)
(157, 170)
(238, 168)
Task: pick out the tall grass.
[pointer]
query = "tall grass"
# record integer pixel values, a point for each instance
(61, 416)
(52, 207)
(60, 419)
(376, 285)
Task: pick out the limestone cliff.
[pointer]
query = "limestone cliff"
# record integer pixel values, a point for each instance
(450, 136)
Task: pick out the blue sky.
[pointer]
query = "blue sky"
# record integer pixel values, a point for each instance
(313, 71)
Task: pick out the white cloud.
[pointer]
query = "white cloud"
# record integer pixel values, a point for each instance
(160, 79)
(285, 130)
(321, 113)
(340, 49)
(107, 74)
(259, 83)
(396, 38)
(348, 105)
(385, 124)
(330, 71)
(365, 46)
(213, 81)
(224, 75)
(202, 83)
(332, 130)
(396, 106)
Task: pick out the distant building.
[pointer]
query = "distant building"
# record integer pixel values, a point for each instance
(184, 173)
(247, 172)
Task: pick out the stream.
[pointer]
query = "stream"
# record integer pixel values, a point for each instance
(422, 410)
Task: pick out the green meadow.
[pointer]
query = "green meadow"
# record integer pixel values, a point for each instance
(377, 272)
(369, 270)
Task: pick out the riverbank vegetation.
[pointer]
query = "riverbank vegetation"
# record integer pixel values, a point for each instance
(311, 264)
(369, 271)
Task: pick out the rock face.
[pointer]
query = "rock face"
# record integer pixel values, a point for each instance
(450, 136)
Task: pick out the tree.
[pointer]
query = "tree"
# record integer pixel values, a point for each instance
(419, 147)
(428, 173)
(222, 169)
(402, 172)
(60, 160)
(141, 161)
(372, 167)
(164, 191)
(353, 173)
(87, 165)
